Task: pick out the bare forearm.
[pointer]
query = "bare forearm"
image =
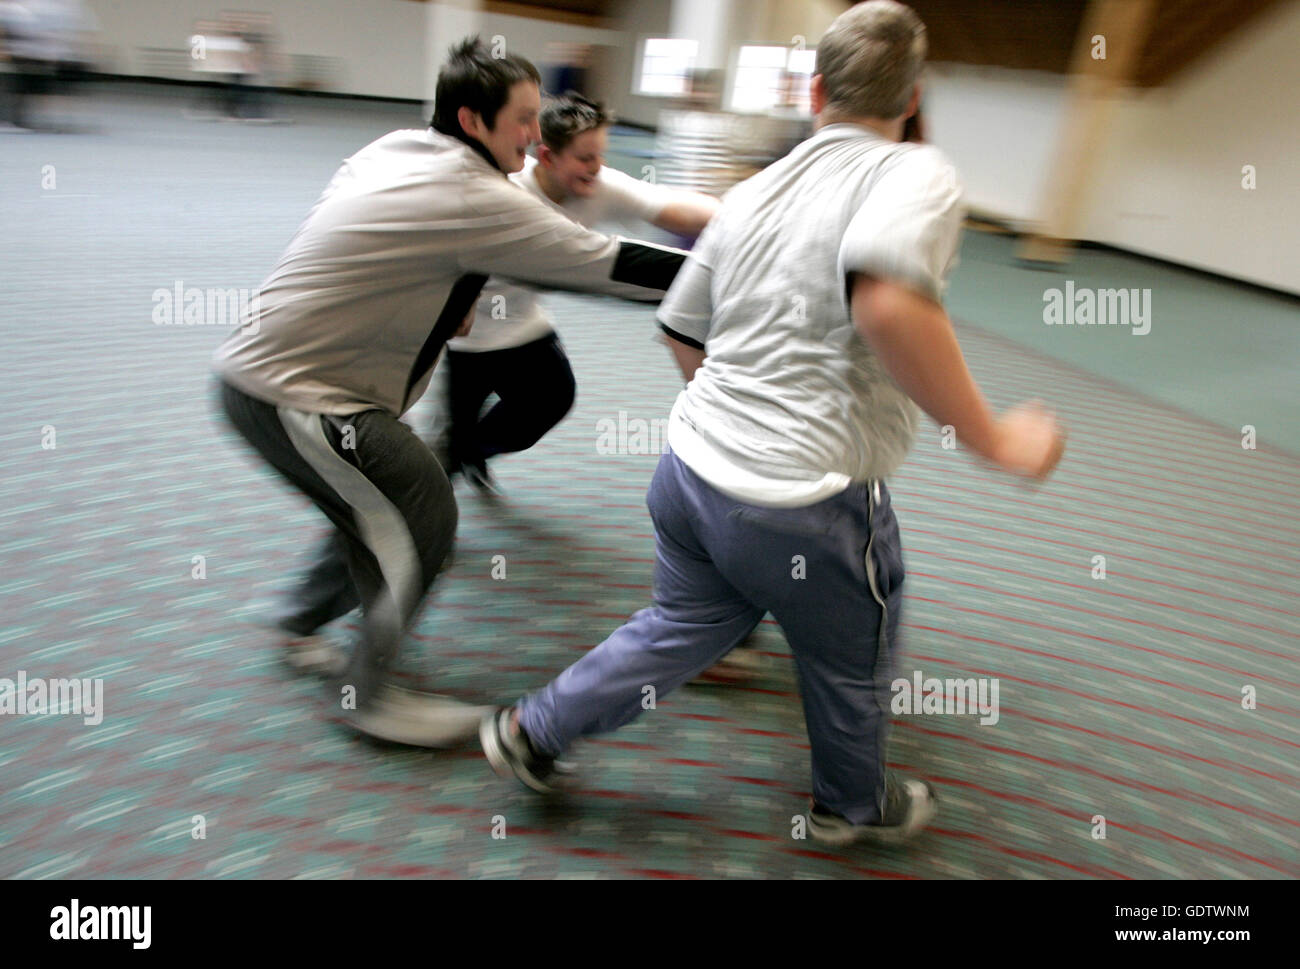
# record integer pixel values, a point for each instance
(687, 213)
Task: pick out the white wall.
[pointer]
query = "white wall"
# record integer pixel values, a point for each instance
(806, 18)
(526, 36)
(381, 48)
(378, 44)
(637, 20)
(1167, 181)
(1170, 182)
(1000, 128)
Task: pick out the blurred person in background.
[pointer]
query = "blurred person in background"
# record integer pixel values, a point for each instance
(253, 83)
(568, 67)
(45, 48)
(235, 55)
(219, 56)
(698, 143)
(790, 122)
(10, 92)
(808, 322)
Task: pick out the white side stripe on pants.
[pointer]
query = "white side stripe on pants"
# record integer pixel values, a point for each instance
(382, 526)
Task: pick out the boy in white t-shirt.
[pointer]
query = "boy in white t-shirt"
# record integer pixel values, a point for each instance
(809, 317)
(512, 350)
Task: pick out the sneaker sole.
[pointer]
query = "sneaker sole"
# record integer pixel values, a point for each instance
(501, 760)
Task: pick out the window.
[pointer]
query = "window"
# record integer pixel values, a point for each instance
(666, 66)
(770, 77)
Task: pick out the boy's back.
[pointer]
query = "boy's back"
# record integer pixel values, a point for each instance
(791, 403)
(807, 319)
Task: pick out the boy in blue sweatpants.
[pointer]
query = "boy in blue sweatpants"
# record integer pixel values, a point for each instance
(808, 320)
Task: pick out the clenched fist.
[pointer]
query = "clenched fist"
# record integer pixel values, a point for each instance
(1029, 441)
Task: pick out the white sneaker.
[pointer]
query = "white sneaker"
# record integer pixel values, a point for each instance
(402, 716)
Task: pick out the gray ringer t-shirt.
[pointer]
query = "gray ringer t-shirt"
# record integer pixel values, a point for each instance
(791, 404)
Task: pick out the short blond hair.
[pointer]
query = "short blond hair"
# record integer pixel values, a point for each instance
(870, 59)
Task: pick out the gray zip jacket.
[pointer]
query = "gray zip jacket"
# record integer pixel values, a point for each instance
(391, 259)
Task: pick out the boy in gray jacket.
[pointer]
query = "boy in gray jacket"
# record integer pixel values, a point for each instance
(344, 334)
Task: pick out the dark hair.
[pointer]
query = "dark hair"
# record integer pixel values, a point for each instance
(472, 78)
(566, 117)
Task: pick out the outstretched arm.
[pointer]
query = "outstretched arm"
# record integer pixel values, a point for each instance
(511, 233)
(914, 339)
(687, 213)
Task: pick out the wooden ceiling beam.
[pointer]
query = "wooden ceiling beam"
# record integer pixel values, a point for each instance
(579, 18)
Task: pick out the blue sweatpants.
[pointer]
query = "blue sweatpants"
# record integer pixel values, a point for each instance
(831, 574)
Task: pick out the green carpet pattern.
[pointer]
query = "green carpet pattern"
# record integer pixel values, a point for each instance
(1120, 699)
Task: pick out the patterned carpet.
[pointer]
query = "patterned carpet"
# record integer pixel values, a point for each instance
(1119, 697)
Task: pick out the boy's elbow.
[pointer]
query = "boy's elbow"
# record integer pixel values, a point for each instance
(876, 309)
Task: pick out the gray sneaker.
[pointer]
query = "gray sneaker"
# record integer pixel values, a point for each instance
(511, 755)
(910, 805)
(402, 716)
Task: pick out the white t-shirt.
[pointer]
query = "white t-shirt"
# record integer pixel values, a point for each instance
(791, 404)
(509, 314)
